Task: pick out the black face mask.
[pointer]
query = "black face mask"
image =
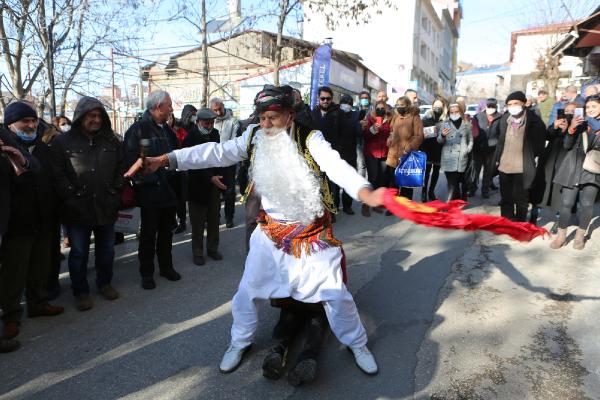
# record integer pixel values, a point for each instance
(438, 110)
(380, 112)
(401, 110)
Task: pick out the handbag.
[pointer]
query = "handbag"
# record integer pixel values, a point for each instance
(127, 196)
(410, 172)
(591, 163)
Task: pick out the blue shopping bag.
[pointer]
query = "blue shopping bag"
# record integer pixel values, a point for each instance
(410, 172)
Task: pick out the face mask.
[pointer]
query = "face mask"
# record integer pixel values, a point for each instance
(193, 118)
(515, 110)
(490, 111)
(454, 117)
(26, 138)
(401, 110)
(345, 107)
(65, 128)
(364, 102)
(437, 110)
(380, 112)
(203, 130)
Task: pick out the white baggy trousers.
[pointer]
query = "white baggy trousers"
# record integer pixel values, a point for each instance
(271, 273)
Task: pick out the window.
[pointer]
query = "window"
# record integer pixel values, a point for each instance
(424, 51)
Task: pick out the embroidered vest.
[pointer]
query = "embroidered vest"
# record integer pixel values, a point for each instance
(301, 137)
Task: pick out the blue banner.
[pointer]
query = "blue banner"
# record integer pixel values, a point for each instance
(320, 72)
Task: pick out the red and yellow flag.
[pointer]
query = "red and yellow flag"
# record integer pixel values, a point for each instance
(450, 216)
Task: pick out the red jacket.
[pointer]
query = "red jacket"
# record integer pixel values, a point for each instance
(376, 145)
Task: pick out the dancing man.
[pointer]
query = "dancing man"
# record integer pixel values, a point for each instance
(293, 252)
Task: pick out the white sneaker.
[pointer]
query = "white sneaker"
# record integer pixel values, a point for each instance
(232, 358)
(364, 360)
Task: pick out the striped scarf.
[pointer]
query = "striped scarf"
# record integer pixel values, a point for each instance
(295, 239)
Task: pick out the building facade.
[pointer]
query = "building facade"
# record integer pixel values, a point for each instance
(527, 46)
(478, 84)
(240, 65)
(411, 45)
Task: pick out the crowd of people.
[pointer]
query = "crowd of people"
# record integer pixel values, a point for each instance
(70, 179)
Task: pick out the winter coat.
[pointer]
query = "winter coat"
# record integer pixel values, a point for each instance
(350, 130)
(486, 141)
(199, 180)
(548, 166)
(228, 126)
(456, 146)
(88, 172)
(156, 190)
(329, 125)
(375, 144)
(571, 172)
(533, 144)
(409, 131)
(431, 146)
(8, 178)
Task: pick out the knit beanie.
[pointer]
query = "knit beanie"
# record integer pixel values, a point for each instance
(518, 95)
(16, 111)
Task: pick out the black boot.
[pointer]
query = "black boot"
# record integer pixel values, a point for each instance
(275, 361)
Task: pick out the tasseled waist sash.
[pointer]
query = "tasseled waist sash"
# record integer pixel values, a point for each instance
(295, 239)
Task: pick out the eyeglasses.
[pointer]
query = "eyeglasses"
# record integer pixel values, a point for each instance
(593, 97)
(325, 98)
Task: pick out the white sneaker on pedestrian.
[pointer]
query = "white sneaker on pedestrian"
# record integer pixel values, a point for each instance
(364, 360)
(232, 358)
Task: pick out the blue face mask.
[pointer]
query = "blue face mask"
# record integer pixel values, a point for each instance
(25, 138)
(364, 102)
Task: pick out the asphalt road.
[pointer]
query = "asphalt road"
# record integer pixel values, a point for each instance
(450, 315)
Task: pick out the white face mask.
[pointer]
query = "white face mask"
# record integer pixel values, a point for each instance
(490, 111)
(454, 117)
(515, 110)
(65, 128)
(345, 107)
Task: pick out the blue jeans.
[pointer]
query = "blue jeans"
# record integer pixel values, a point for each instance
(104, 241)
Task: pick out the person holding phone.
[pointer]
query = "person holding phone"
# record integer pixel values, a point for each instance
(456, 137)
(552, 158)
(431, 147)
(376, 133)
(581, 141)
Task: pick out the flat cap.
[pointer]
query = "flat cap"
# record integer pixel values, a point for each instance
(205, 113)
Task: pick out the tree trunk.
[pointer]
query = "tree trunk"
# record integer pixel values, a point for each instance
(283, 9)
(205, 69)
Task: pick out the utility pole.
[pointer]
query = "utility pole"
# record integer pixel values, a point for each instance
(112, 89)
(205, 71)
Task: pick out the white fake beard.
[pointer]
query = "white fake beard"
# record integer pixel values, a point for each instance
(282, 175)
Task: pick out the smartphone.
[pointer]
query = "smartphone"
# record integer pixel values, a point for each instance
(560, 113)
(379, 120)
(578, 113)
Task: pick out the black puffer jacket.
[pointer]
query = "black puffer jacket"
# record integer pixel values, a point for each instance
(158, 189)
(88, 171)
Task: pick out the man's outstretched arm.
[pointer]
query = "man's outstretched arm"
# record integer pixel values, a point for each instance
(207, 155)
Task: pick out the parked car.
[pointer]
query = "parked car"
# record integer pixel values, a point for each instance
(472, 109)
(423, 109)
